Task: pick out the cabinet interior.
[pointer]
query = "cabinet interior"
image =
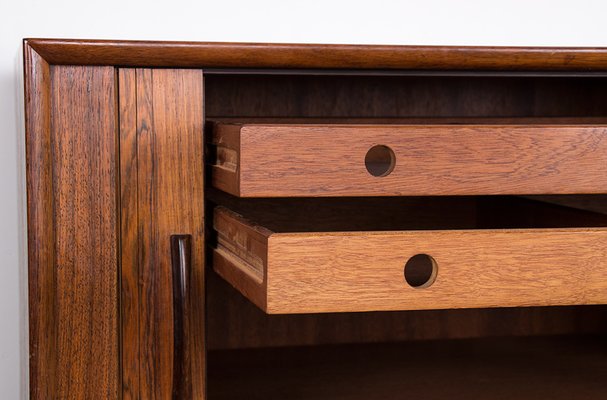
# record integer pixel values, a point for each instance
(459, 95)
(429, 354)
(505, 368)
(351, 214)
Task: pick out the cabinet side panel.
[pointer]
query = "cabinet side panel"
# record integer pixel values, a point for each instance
(84, 176)
(41, 279)
(170, 201)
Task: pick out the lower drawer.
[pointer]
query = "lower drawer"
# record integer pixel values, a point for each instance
(282, 261)
(294, 270)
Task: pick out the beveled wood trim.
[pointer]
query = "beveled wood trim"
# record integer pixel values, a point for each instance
(322, 56)
(42, 330)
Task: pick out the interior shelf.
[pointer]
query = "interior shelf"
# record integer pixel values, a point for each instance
(552, 367)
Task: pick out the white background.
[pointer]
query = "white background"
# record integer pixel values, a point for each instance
(435, 22)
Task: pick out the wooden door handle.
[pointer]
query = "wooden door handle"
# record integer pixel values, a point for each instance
(181, 264)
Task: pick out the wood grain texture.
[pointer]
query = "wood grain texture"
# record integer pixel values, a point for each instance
(73, 295)
(324, 160)
(475, 269)
(85, 194)
(265, 55)
(129, 252)
(559, 368)
(363, 271)
(170, 201)
(40, 238)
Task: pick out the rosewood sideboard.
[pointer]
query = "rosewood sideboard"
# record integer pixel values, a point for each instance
(280, 221)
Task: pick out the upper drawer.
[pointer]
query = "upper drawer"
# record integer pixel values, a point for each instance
(481, 157)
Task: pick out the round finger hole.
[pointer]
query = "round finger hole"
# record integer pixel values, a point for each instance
(380, 160)
(420, 271)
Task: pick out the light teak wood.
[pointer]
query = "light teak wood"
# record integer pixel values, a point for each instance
(162, 195)
(363, 271)
(329, 160)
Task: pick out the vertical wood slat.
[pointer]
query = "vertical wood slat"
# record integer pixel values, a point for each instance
(86, 254)
(170, 201)
(42, 329)
(129, 304)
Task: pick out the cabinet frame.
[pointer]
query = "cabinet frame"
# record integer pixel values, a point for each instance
(47, 379)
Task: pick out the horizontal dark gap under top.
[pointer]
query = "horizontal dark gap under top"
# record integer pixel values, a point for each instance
(414, 120)
(421, 73)
(346, 214)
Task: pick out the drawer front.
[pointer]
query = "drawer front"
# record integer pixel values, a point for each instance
(289, 160)
(365, 271)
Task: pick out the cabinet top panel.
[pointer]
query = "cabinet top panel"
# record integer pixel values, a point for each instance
(318, 56)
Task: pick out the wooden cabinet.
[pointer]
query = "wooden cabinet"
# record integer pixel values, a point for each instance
(380, 221)
(115, 169)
